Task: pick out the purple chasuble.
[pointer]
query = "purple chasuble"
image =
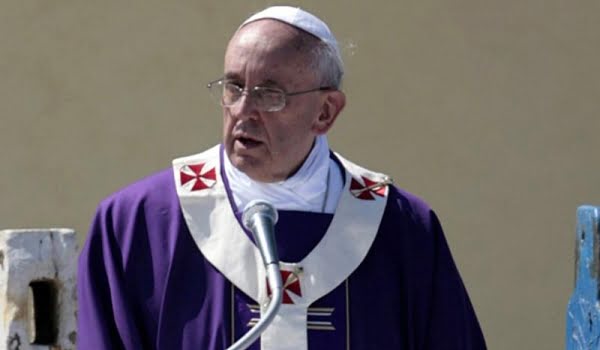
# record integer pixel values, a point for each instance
(144, 284)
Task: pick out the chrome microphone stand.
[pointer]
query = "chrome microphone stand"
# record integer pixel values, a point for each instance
(260, 218)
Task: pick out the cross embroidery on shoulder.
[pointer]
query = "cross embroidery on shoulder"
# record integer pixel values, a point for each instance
(367, 188)
(196, 175)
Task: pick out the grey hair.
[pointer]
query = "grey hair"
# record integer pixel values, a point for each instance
(328, 63)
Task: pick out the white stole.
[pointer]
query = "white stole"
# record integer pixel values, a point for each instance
(221, 239)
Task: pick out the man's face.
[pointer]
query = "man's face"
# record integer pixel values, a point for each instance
(270, 146)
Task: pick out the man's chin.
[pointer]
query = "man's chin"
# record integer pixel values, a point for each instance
(246, 163)
(253, 167)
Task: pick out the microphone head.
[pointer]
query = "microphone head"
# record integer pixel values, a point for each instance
(261, 207)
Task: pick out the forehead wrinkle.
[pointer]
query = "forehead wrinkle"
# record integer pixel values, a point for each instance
(242, 63)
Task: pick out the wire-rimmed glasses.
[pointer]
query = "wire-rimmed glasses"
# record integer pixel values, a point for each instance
(267, 99)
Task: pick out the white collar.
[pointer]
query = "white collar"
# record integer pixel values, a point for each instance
(306, 190)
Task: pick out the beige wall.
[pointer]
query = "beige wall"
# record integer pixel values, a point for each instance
(487, 109)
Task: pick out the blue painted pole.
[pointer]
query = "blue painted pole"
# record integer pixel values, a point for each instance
(583, 312)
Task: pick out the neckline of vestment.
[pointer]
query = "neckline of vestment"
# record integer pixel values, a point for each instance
(315, 187)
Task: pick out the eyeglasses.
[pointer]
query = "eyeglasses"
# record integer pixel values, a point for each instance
(266, 99)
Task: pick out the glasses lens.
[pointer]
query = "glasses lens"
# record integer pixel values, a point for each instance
(231, 93)
(215, 90)
(269, 99)
(265, 99)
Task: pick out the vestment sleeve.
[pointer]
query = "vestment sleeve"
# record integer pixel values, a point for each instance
(105, 320)
(452, 322)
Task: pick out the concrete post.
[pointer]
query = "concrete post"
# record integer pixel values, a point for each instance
(38, 296)
(583, 313)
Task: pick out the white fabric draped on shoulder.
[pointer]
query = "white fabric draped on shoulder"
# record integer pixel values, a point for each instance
(315, 187)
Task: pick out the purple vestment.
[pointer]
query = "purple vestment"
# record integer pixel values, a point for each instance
(144, 284)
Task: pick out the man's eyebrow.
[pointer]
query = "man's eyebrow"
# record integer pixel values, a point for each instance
(264, 83)
(269, 83)
(231, 76)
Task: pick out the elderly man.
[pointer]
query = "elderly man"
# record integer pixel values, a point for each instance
(168, 265)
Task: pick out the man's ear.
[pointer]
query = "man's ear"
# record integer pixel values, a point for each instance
(334, 102)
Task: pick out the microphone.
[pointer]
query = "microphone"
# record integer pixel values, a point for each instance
(259, 217)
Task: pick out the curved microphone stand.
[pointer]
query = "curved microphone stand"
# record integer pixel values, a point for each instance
(260, 218)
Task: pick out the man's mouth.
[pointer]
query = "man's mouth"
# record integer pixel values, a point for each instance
(248, 142)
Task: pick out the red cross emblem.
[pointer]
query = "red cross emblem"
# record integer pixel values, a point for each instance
(369, 188)
(196, 174)
(291, 284)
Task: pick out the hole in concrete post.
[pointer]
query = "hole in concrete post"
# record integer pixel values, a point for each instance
(43, 312)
